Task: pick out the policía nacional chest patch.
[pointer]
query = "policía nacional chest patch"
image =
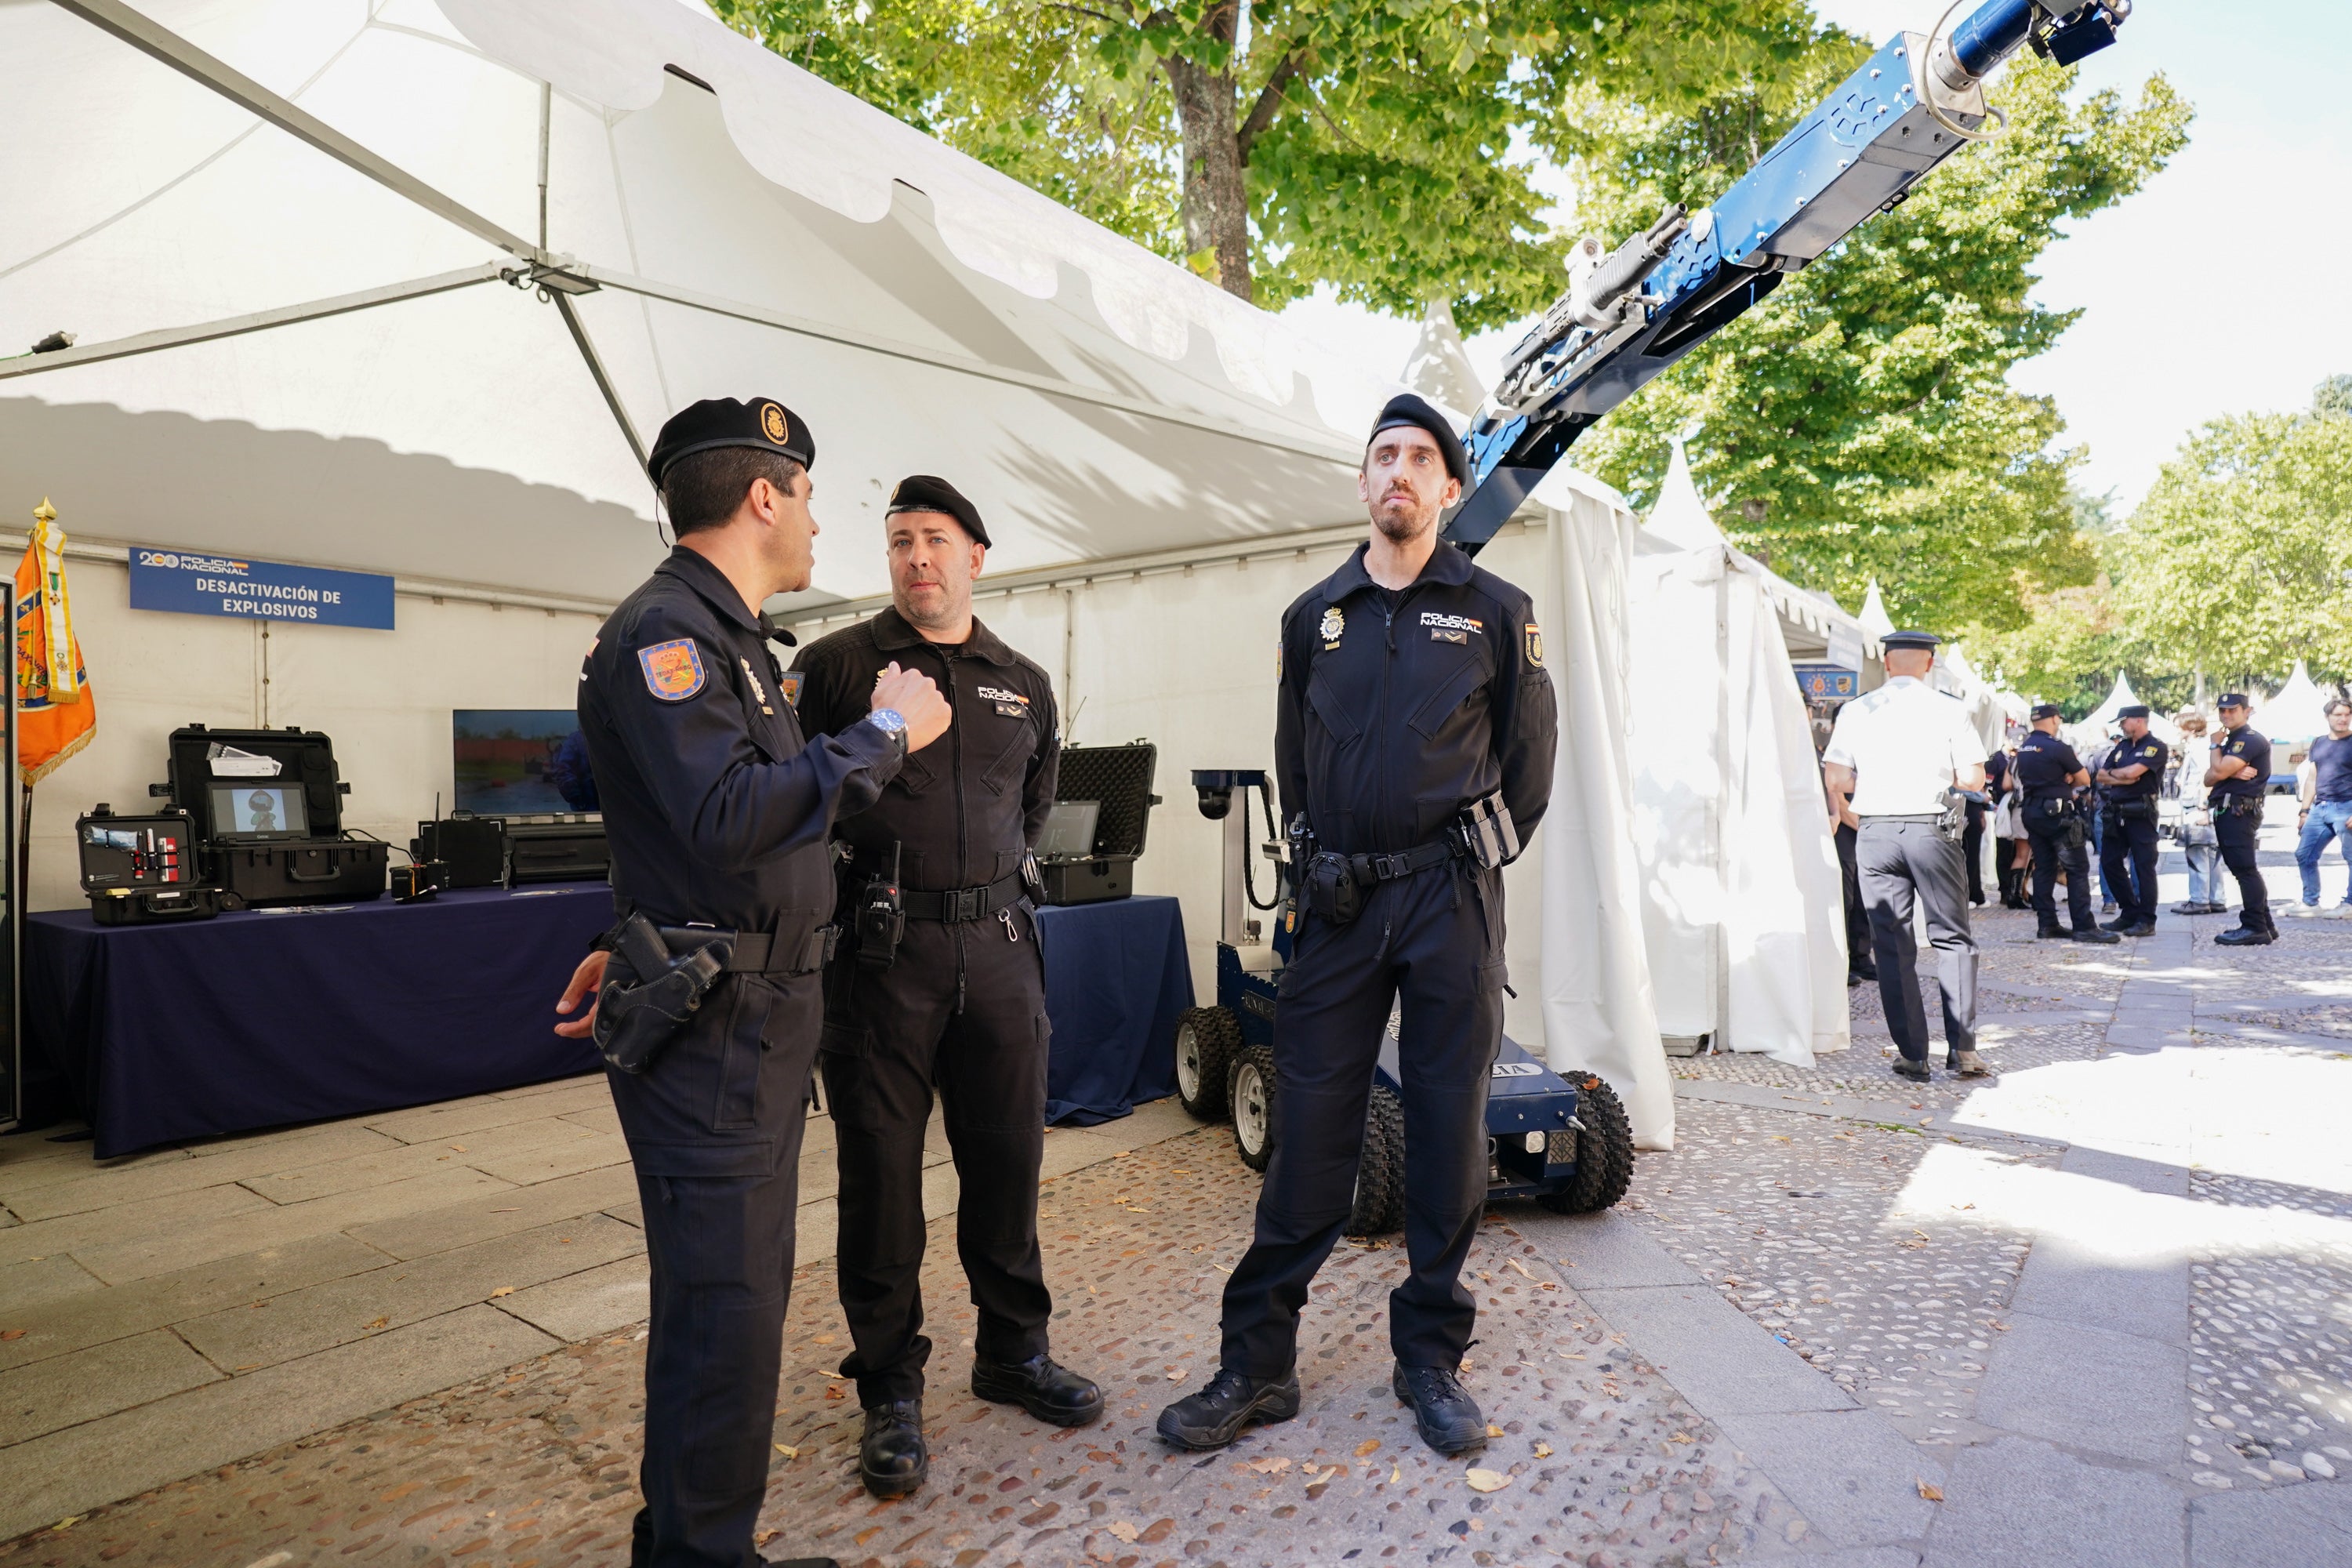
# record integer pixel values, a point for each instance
(674, 670)
(1008, 704)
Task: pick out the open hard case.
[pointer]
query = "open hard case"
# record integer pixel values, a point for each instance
(1116, 781)
(268, 811)
(141, 871)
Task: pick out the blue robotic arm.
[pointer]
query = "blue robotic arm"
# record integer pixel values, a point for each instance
(1630, 313)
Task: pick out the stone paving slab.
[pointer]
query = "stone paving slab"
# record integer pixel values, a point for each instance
(1713, 1355)
(121, 1181)
(388, 1160)
(87, 1232)
(2074, 1283)
(497, 1211)
(2088, 1388)
(2296, 1526)
(581, 1306)
(42, 1279)
(1853, 1476)
(2015, 1503)
(66, 1389)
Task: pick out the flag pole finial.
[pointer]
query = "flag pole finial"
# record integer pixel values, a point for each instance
(45, 512)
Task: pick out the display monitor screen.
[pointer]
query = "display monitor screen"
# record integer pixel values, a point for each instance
(1069, 830)
(259, 811)
(520, 761)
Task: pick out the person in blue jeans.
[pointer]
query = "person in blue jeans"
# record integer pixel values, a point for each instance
(2328, 805)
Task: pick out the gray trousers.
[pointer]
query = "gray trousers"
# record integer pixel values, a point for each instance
(1900, 859)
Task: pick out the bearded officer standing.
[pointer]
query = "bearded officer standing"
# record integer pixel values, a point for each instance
(2237, 775)
(2129, 778)
(958, 1000)
(1900, 752)
(717, 806)
(1412, 694)
(2050, 775)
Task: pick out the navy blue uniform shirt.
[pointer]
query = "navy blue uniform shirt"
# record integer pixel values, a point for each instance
(2148, 751)
(2332, 760)
(716, 808)
(1996, 775)
(1395, 710)
(2044, 764)
(2250, 746)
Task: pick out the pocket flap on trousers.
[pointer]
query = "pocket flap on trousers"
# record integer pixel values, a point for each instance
(732, 1157)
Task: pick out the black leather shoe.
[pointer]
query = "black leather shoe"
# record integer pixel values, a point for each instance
(1232, 1403)
(892, 1458)
(1906, 1068)
(2242, 937)
(2142, 927)
(2116, 925)
(1450, 1420)
(1041, 1386)
(2050, 931)
(2099, 934)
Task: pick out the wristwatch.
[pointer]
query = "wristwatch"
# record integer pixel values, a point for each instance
(891, 722)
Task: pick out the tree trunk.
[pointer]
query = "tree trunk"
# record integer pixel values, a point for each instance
(1216, 200)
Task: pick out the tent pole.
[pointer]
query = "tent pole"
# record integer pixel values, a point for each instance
(258, 320)
(159, 43)
(596, 369)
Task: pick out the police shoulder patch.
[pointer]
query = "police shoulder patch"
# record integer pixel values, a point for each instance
(673, 669)
(1535, 646)
(790, 683)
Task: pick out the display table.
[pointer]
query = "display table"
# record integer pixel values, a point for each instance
(165, 1032)
(1115, 977)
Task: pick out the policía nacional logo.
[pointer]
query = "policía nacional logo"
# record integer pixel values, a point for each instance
(1334, 622)
(774, 424)
(673, 669)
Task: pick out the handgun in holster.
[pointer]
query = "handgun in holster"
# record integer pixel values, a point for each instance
(881, 917)
(1953, 822)
(637, 1017)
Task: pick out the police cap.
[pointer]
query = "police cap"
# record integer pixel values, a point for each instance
(1928, 641)
(1405, 409)
(2132, 710)
(926, 492)
(2233, 700)
(2046, 710)
(764, 424)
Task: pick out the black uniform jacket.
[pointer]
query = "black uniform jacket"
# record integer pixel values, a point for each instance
(716, 809)
(1395, 710)
(2148, 753)
(965, 807)
(2250, 746)
(2044, 764)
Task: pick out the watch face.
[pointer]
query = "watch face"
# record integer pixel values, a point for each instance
(888, 718)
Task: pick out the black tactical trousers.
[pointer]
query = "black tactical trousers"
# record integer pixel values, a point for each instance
(714, 1127)
(1858, 960)
(2238, 835)
(1433, 941)
(962, 1007)
(2127, 866)
(2054, 850)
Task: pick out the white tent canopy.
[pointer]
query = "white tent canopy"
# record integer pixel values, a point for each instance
(2298, 713)
(1873, 614)
(716, 222)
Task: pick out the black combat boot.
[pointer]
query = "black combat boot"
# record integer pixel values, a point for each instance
(1232, 1402)
(892, 1458)
(1450, 1420)
(1041, 1387)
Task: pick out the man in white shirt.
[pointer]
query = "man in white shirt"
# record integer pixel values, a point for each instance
(1900, 752)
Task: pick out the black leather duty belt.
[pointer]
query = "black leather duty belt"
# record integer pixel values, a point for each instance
(1371, 868)
(761, 951)
(955, 905)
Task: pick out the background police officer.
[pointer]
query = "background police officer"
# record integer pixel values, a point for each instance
(2049, 773)
(1900, 752)
(961, 1001)
(2129, 780)
(1410, 685)
(716, 808)
(2240, 772)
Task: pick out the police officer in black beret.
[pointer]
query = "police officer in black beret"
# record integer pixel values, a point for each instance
(1412, 716)
(953, 992)
(2128, 780)
(718, 806)
(2049, 772)
(2240, 773)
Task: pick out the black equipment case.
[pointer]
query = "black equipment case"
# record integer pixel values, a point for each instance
(1120, 779)
(565, 850)
(473, 848)
(272, 837)
(141, 871)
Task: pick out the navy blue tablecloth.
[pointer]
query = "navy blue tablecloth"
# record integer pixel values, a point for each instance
(1115, 978)
(161, 1032)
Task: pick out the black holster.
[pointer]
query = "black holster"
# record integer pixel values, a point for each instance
(637, 1016)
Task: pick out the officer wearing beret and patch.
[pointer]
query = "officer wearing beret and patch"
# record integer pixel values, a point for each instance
(952, 993)
(2237, 776)
(1900, 752)
(1412, 716)
(2049, 775)
(2129, 779)
(718, 806)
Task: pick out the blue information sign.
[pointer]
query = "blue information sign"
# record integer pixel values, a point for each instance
(1820, 681)
(198, 585)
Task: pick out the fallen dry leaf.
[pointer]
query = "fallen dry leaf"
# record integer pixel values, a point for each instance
(1486, 1480)
(788, 1451)
(378, 1323)
(68, 1522)
(1125, 1531)
(832, 1391)
(1493, 1430)
(1396, 1472)
(459, 1147)
(506, 1211)
(1515, 1263)
(11, 1333)
(1543, 1450)
(1933, 1494)
(1272, 1465)
(1176, 1374)
(502, 1290)
(1366, 1447)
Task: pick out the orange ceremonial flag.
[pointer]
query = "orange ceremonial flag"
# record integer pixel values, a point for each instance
(57, 713)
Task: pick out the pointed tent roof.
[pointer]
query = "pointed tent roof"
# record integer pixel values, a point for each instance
(2104, 714)
(2298, 713)
(1873, 614)
(1681, 518)
(1439, 367)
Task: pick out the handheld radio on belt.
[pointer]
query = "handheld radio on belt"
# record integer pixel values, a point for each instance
(881, 917)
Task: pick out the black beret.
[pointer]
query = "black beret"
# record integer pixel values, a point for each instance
(2134, 710)
(1405, 409)
(2046, 710)
(1928, 640)
(926, 492)
(2233, 700)
(764, 425)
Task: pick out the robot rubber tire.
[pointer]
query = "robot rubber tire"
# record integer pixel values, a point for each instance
(1605, 1152)
(1207, 1039)
(1251, 1091)
(1380, 1173)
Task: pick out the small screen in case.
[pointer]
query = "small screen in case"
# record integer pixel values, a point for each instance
(259, 811)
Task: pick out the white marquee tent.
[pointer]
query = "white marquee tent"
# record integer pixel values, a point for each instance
(2298, 713)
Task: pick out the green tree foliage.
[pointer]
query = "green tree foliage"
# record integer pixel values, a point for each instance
(1386, 148)
(2239, 558)
(1859, 423)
